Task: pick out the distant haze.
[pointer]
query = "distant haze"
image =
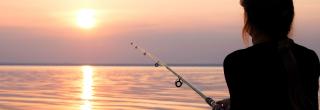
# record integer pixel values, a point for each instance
(178, 31)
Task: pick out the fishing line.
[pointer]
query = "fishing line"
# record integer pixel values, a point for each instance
(180, 81)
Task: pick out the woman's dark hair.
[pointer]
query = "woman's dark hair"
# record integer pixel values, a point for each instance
(269, 17)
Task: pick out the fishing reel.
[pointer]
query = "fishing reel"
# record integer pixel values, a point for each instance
(178, 83)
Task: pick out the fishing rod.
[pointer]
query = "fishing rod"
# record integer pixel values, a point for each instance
(179, 82)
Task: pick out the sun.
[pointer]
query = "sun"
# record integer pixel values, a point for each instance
(86, 18)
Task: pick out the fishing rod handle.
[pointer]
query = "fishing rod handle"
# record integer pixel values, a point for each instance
(210, 101)
(222, 105)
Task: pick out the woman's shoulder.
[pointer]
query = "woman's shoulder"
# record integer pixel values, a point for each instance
(305, 52)
(235, 56)
(304, 49)
(246, 52)
(242, 53)
(244, 56)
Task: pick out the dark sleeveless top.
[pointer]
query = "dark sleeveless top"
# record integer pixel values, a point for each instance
(258, 79)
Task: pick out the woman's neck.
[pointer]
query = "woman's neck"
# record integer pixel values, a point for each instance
(260, 39)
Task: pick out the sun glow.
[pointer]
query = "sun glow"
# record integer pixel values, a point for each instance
(87, 90)
(86, 18)
(87, 72)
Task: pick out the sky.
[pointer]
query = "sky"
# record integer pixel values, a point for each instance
(177, 31)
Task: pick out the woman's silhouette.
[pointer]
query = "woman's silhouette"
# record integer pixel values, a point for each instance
(275, 73)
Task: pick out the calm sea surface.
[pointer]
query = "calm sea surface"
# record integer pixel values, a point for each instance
(106, 88)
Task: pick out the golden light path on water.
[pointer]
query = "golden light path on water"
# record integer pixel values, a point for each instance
(87, 90)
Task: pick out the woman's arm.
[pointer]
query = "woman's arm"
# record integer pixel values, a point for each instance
(229, 73)
(233, 67)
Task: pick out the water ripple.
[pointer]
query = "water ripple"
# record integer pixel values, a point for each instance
(106, 88)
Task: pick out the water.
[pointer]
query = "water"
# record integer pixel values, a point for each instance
(106, 88)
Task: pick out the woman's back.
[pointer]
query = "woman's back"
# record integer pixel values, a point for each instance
(257, 77)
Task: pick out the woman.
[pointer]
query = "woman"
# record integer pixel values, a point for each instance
(275, 73)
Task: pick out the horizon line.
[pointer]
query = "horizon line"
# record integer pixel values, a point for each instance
(98, 64)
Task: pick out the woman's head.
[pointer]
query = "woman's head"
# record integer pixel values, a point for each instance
(272, 18)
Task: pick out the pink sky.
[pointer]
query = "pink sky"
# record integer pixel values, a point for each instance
(179, 31)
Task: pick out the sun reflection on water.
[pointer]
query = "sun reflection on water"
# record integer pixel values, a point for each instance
(87, 90)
